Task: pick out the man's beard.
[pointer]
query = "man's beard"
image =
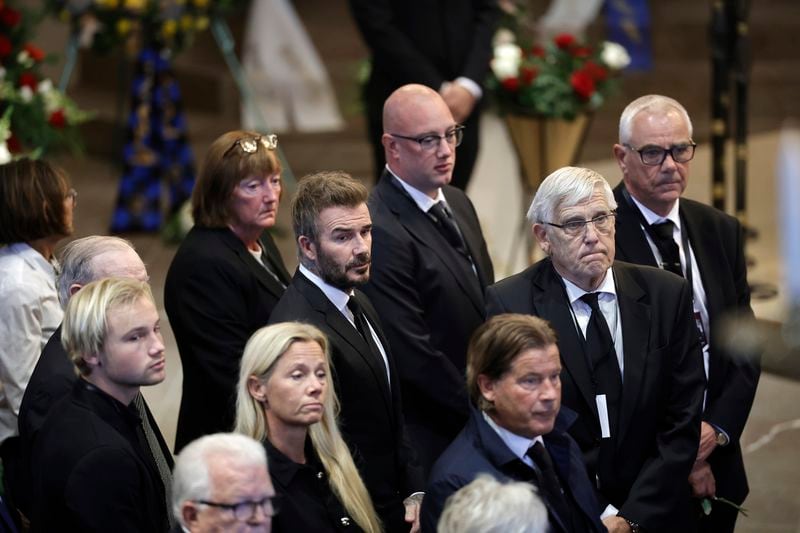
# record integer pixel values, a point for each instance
(335, 275)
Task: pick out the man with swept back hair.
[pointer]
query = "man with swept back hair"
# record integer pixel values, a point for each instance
(82, 261)
(92, 468)
(333, 230)
(222, 483)
(631, 356)
(656, 227)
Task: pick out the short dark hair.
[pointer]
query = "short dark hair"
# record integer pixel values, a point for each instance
(496, 343)
(319, 191)
(223, 168)
(32, 195)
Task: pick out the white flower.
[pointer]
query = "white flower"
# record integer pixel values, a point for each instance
(45, 86)
(24, 59)
(615, 56)
(503, 36)
(26, 94)
(5, 155)
(505, 63)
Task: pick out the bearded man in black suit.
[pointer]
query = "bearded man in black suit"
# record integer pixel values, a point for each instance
(430, 266)
(333, 229)
(632, 367)
(656, 227)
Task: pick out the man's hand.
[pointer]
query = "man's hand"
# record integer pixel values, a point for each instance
(459, 100)
(413, 504)
(708, 441)
(616, 524)
(702, 480)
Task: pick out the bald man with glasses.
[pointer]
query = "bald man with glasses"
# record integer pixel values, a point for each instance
(430, 265)
(656, 227)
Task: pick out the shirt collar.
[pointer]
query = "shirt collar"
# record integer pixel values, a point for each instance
(655, 218)
(518, 444)
(607, 286)
(338, 297)
(34, 258)
(423, 201)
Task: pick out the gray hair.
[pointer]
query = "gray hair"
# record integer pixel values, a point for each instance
(76, 261)
(652, 103)
(567, 187)
(191, 478)
(488, 506)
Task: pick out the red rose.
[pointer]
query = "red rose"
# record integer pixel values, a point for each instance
(33, 51)
(582, 83)
(10, 17)
(537, 51)
(27, 79)
(594, 70)
(528, 74)
(13, 144)
(5, 46)
(581, 51)
(564, 40)
(57, 119)
(510, 84)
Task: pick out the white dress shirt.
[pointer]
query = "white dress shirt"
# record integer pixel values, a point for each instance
(29, 315)
(518, 444)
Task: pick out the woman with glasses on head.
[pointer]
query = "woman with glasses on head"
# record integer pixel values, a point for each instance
(36, 209)
(226, 276)
(286, 399)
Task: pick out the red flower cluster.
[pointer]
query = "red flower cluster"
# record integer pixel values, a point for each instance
(57, 119)
(9, 17)
(565, 41)
(34, 51)
(28, 79)
(583, 81)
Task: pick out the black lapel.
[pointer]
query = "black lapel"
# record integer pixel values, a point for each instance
(422, 228)
(465, 220)
(635, 316)
(707, 253)
(631, 242)
(274, 258)
(550, 302)
(345, 330)
(238, 247)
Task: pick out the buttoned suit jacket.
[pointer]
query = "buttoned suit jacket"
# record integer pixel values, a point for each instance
(659, 419)
(371, 419)
(478, 449)
(216, 295)
(717, 242)
(435, 302)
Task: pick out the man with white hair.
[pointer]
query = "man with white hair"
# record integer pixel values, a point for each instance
(632, 366)
(656, 227)
(222, 483)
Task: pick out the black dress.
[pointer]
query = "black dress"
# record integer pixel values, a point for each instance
(307, 502)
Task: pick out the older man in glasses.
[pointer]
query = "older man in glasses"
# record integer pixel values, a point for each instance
(632, 367)
(430, 265)
(704, 245)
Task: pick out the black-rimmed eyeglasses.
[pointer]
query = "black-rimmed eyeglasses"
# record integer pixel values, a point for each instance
(249, 145)
(431, 142)
(573, 228)
(655, 155)
(246, 510)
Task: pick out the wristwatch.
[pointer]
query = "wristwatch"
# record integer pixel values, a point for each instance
(721, 438)
(633, 525)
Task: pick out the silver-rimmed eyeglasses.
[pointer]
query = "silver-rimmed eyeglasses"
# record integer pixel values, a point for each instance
(430, 142)
(246, 510)
(602, 223)
(655, 155)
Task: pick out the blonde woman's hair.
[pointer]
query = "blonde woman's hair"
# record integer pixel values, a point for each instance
(261, 353)
(85, 326)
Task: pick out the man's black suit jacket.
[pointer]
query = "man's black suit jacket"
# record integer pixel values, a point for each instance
(371, 419)
(435, 302)
(427, 42)
(52, 379)
(91, 472)
(717, 242)
(478, 449)
(216, 295)
(659, 419)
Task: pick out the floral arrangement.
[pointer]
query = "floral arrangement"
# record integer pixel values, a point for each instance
(560, 78)
(35, 117)
(166, 24)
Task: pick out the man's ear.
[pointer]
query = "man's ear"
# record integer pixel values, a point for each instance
(93, 360)
(540, 233)
(619, 152)
(189, 512)
(389, 146)
(486, 386)
(75, 287)
(307, 248)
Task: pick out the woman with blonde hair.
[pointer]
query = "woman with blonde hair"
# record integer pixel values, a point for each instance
(287, 401)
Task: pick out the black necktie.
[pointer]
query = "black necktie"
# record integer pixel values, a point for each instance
(447, 226)
(600, 349)
(549, 484)
(667, 247)
(363, 328)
